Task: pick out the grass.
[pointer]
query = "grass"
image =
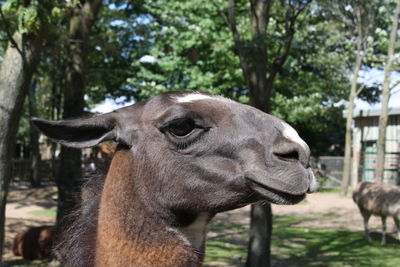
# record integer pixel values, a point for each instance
(329, 190)
(228, 244)
(326, 214)
(26, 263)
(43, 213)
(327, 247)
(298, 246)
(292, 246)
(333, 190)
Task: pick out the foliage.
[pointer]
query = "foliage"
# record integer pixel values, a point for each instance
(374, 21)
(119, 37)
(190, 47)
(32, 16)
(192, 50)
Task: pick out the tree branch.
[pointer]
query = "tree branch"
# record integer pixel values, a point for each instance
(359, 90)
(260, 11)
(236, 37)
(9, 35)
(394, 85)
(395, 91)
(348, 22)
(221, 13)
(290, 22)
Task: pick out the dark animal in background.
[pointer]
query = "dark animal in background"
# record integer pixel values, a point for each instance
(182, 157)
(34, 243)
(378, 199)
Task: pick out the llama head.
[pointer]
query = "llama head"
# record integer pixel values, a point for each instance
(196, 152)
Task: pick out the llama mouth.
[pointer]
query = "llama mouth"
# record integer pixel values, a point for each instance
(273, 195)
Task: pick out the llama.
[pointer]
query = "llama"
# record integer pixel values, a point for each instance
(34, 243)
(378, 199)
(182, 157)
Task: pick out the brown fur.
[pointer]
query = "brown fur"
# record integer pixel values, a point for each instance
(143, 241)
(378, 199)
(34, 243)
(77, 244)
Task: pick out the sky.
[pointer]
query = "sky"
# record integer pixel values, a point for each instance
(376, 75)
(109, 105)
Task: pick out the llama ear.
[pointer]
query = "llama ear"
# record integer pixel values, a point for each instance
(79, 133)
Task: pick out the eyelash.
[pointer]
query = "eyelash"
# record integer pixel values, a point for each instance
(182, 143)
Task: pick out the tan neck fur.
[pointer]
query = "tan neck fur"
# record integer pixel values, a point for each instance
(127, 235)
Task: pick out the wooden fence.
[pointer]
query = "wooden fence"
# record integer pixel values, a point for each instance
(21, 170)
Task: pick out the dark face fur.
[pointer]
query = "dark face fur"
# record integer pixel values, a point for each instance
(200, 152)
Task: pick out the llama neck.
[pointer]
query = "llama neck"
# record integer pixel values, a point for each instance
(129, 234)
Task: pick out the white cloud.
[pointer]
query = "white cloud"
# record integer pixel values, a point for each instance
(147, 59)
(109, 105)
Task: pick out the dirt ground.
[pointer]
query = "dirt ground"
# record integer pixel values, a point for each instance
(24, 206)
(24, 209)
(343, 213)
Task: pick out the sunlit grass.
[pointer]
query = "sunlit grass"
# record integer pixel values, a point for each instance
(43, 213)
(299, 246)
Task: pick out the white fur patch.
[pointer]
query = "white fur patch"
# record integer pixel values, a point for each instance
(192, 97)
(198, 96)
(292, 135)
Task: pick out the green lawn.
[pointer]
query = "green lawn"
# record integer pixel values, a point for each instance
(295, 246)
(43, 213)
(26, 263)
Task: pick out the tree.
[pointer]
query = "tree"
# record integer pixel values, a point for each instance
(16, 72)
(191, 48)
(69, 178)
(56, 95)
(383, 118)
(260, 70)
(19, 63)
(34, 139)
(358, 20)
(354, 91)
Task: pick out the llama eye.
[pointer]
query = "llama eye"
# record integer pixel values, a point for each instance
(181, 128)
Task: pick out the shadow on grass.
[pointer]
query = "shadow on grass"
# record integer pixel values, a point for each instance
(226, 244)
(294, 246)
(26, 263)
(43, 196)
(326, 247)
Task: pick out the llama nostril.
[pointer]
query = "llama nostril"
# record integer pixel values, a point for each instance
(292, 155)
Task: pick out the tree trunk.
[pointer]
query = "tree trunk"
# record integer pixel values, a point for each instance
(259, 246)
(259, 73)
(34, 136)
(70, 173)
(383, 118)
(350, 110)
(15, 76)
